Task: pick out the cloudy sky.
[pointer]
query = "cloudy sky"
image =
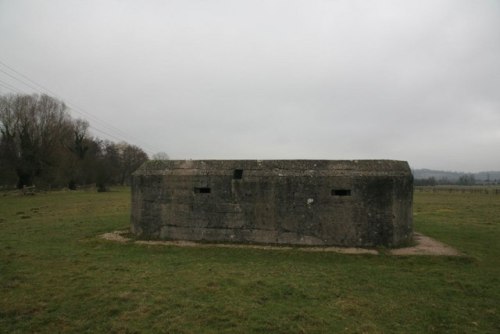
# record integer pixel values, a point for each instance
(314, 79)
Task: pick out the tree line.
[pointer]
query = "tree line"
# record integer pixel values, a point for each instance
(40, 143)
(463, 180)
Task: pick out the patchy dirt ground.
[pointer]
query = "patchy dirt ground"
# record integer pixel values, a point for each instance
(424, 246)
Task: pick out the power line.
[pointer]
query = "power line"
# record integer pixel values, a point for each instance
(17, 79)
(14, 89)
(9, 87)
(25, 77)
(40, 88)
(5, 87)
(73, 107)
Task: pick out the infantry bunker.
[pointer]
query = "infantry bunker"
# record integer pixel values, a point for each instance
(358, 203)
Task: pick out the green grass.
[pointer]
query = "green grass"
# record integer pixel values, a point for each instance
(56, 276)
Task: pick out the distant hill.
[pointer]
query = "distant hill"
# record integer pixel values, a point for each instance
(421, 174)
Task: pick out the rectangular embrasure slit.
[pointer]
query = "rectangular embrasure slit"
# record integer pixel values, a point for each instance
(238, 174)
(202, 190)
(341, 192)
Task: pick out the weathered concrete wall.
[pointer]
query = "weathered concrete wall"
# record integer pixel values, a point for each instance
(303, 202)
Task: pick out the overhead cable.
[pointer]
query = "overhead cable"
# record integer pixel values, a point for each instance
(28, 82)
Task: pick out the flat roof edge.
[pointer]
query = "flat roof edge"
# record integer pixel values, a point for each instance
(153, 167)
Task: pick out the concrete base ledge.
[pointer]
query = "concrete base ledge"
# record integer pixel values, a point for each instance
(424, 245)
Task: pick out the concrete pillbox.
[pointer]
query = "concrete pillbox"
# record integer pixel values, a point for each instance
(361, 203)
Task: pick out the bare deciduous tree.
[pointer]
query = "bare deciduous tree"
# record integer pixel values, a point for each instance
(160, 156)
(32, 130)
(39, 140)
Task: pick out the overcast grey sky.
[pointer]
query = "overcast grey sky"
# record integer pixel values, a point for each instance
(411, 80)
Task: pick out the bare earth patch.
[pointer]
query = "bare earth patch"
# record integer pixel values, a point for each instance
(424, 246)
(115, 236)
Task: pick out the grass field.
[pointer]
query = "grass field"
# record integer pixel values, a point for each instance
(57, 275)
